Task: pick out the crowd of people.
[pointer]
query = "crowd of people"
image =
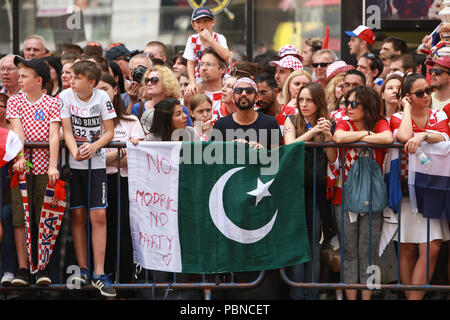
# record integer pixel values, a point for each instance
(92, 96)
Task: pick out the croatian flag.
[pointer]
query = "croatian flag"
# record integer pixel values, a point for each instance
(429, 189)
(393, 182)
(10, 146)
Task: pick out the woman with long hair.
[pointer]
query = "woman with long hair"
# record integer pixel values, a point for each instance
(293, 83)
(126, 127)
(312, 123)
(365, 124)
(170, 123)
(390, 95)
(416, 124)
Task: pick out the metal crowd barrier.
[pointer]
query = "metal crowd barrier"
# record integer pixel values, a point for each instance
(207, 286)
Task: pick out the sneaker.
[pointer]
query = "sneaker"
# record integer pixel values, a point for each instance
(7, 279)
(103, 284)
(82, 278)
(21, 278)
(42, 278)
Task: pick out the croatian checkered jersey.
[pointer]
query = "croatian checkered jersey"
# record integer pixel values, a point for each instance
(36, 118)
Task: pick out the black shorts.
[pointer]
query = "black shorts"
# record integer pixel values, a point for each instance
(79, 184)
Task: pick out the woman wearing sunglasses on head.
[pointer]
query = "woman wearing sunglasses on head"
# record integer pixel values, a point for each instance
(416, 124)
(365, 124)
(161, 84)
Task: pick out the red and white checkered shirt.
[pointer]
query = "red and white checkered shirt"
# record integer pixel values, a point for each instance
(194, 49)
(351, 154)
(36, 118)
(437, 122)
(340, 114)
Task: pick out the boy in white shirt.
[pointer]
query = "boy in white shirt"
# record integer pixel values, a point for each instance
(203, 22)
(87, 117)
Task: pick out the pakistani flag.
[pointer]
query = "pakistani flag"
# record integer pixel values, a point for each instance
(216, 207)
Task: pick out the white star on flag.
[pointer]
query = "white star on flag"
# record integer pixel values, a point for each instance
(261, 191)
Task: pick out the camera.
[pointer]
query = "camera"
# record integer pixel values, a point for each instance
(138, 73)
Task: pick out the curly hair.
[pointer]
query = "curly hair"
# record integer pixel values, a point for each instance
(171, 86)
(333, 102)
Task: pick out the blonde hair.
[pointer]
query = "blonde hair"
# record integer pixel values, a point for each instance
(171, 86)
(333, 103)
(285, 94)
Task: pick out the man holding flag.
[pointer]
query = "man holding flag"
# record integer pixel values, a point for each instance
(210, 212)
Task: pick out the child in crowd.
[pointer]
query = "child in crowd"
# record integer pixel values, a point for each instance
(126, 127)
(203, 22)
(34, 116)
(202, 115)
(87, 117)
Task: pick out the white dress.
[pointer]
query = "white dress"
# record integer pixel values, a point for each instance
(414, 226)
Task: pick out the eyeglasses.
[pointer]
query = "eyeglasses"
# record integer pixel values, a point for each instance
(322, 64)
(8, 69)
(438, 72)
(248, 90)
(421, 93)
(153, 80)
(206, 64)
(352, 104)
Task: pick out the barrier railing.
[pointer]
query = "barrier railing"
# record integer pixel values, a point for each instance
(207, 286)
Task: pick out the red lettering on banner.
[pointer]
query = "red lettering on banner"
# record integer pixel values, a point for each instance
(147, 199)
(155, 241)
(160, 219)
(160, 165)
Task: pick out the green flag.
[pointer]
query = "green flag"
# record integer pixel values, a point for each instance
(230, 213)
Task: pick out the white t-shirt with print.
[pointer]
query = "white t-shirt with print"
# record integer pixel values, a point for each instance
(124, 131)
(87, 122)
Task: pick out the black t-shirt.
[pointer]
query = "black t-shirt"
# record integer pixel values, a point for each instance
(265, 130)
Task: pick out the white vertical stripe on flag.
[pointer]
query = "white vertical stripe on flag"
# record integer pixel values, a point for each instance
(153, 190)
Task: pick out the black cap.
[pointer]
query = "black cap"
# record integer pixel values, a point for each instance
(119, 51)
(38, 65)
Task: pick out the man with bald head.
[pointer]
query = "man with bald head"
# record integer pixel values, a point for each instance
(9, 75)
(34, 47)
(134, 89)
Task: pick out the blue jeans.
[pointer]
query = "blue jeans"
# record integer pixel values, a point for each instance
(9, 256)
(307, 272)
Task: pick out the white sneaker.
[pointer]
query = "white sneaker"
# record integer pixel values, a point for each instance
(7, 278)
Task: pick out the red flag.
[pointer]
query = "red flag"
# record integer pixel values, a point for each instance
(326, 39)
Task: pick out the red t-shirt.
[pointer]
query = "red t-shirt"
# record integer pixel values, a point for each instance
(351, 154)
(437, 121)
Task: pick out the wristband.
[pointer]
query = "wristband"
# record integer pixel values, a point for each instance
(20, 154)
(368, 132)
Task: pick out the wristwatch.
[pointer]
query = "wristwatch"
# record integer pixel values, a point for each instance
(427, 136)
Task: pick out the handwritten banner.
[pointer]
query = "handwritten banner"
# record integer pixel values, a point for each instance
(153, 191)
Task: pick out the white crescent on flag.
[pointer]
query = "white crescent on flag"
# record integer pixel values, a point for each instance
(10, 145)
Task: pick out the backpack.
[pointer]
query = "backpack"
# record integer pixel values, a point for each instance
(365, 185)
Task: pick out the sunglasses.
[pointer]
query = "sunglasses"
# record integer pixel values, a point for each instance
(438, 72)
(248, 90)
(153, 80)
(421, 93)
(352, 104)
(322, 64)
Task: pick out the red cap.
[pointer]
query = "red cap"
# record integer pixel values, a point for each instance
(364, 33)
(443, 61)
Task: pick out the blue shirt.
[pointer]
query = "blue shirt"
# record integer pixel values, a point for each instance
(135, 111)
